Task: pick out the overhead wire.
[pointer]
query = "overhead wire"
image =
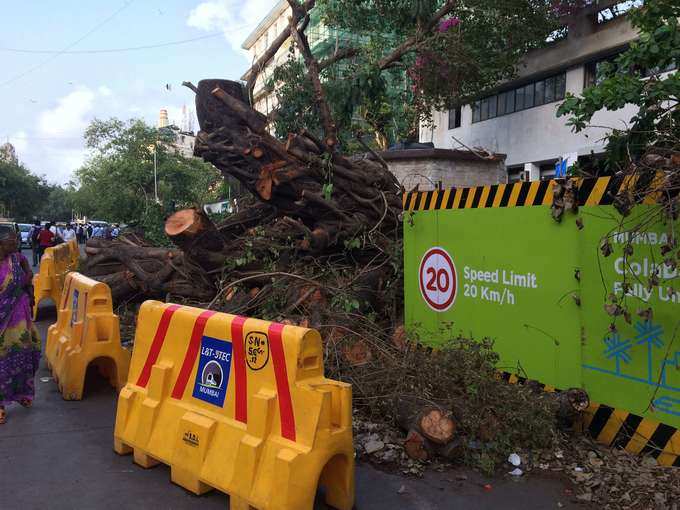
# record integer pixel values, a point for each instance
(119, 50)
(55, 55)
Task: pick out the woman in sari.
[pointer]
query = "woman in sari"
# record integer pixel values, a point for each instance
(19, 341)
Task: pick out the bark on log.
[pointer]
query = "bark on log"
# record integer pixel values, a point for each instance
(433, 423)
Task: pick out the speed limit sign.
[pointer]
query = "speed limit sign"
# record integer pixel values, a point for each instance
(438, 279)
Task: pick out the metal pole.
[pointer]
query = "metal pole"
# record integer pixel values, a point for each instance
(155, 174)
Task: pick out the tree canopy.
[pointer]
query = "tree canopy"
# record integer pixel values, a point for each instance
(117, 181)
(25, 196)
(391, 63)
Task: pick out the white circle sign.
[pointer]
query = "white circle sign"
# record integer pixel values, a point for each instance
(438, 279)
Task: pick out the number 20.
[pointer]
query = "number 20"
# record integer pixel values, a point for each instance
(439, 280)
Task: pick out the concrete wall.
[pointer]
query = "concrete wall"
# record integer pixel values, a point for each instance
(536, 135)
(427, 167)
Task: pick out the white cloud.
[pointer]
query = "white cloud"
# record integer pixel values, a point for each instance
(236, 18)
(104, 91)
(70, 116)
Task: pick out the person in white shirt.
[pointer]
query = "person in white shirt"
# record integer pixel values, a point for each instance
(69, 233)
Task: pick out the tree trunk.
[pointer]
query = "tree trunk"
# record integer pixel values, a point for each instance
(433, 423)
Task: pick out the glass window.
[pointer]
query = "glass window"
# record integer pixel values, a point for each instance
(539, 93)
(560, 86)
(476, 110)
(519, 99)
(484, 114)
(493, 101)
(501, 103)
(454, 118)
(550, 90)
(510, 101)
(529, 96)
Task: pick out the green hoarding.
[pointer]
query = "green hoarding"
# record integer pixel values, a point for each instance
(488, 267)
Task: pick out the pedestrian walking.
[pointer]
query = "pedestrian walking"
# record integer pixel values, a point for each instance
(45, 240)
(80, 234)
(69, 233)
(19, 340)
(33, 239)
(89, 231)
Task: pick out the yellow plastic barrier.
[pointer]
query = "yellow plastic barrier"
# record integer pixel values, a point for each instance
(86, 332)
(239, 405)
(74, 252)
(55, 264)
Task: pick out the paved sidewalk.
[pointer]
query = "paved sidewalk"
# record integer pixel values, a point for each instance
(58, 455)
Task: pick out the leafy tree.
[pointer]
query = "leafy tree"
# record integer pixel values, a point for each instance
(117, 182)
(637, 77)
(20, 191)
(397, 61)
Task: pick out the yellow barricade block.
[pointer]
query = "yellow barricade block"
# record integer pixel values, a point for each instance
(86, 332)
(237, 404)
(55, 264)
(74, 253)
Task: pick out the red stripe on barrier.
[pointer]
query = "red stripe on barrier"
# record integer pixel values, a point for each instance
(282, 388)
(156, 345)
(241, 389)
(191, 354)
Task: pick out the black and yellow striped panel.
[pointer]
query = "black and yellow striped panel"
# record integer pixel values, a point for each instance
(596, 191)
(637, 435)
(622, 429)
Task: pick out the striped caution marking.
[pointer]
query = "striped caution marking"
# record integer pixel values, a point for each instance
(239, 365)
(595, 191)
(621, 429)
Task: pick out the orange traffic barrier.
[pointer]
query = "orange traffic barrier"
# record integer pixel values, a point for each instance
(55, 264)
(237, 404)
(86, 332)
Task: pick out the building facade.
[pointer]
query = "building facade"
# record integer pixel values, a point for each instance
(322, 41)
(519, 117)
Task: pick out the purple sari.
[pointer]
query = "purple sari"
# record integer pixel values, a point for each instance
(19, 341)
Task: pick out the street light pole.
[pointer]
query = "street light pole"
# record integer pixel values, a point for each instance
(155, 172)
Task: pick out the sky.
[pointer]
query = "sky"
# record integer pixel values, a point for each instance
(48, 99)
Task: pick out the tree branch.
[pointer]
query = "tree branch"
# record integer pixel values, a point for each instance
(313, 72)
(299, 12)
(409, 43)
(339, 55)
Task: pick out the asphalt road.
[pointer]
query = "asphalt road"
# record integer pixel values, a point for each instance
(58, 455)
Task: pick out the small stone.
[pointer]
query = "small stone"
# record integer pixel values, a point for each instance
(401, 489)
(373, 446)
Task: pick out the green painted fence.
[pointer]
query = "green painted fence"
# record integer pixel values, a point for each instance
(491, 262)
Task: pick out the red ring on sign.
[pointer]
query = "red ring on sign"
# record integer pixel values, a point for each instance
(439, 307)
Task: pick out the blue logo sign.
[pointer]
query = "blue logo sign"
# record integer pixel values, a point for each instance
(212, 376)
(74, 307)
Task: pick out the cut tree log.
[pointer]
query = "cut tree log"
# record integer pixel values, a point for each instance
(433, 423)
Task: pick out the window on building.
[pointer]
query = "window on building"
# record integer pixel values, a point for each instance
(616, 11)
(520, 98)
(476, 111)
(454, 118)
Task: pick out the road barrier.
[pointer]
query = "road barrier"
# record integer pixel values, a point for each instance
(491, 262)
(86, 333)
(237, 404)
(55, 264)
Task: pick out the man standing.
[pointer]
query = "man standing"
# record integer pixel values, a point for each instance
(69, 233)
(33, 239)
(45, 240)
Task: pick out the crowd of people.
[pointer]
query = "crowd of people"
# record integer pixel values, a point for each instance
(50, 234)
